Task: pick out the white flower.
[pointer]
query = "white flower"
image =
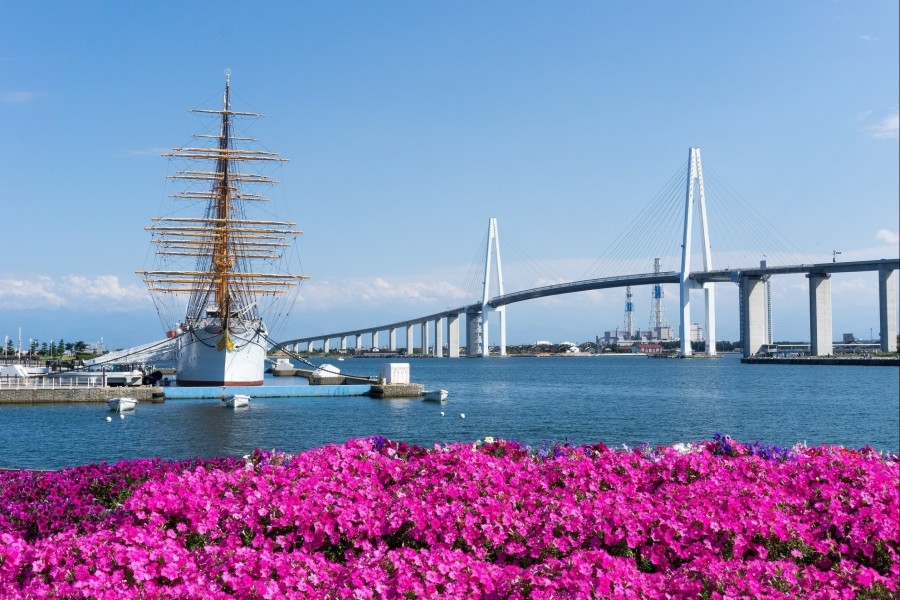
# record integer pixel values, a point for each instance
(682, 448)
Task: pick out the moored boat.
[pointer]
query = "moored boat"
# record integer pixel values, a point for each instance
(435, 395)
(236, 400)
(121, 404)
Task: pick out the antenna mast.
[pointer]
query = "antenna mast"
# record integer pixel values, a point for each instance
(657, 306)
(629, 313)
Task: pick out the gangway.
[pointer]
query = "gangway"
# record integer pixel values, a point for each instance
(151, 352)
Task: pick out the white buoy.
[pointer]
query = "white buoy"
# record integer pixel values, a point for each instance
(121, 416)
(462, 415)
(109, 419)
(442, 413)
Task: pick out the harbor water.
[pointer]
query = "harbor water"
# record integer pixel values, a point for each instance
(617, 400)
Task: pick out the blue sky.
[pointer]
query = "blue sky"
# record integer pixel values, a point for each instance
(410, 124)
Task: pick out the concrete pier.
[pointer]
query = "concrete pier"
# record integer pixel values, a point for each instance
(887, 309)
(473, 334)
(63, 395)
(398, 390)
(820, 335)
(438, 337)
(753, 310)
(453, 336)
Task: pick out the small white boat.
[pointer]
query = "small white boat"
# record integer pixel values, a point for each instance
(236, 400)
(121, 404)
(435, 395)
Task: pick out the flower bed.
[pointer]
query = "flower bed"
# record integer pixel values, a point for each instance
(377, 518)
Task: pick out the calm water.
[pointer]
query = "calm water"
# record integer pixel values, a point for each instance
(616, 400)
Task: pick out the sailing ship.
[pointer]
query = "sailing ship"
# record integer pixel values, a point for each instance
(224, 260)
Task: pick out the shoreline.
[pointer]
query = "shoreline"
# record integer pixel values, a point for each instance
(825, 360)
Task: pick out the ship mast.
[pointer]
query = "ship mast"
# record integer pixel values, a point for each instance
(227, 247)
(222, 261)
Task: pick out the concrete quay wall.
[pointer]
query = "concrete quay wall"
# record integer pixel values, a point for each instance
(98, 395)
(824, 360)
(398, 390)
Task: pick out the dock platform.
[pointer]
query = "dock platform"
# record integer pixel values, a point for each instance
(62, 395)
(269, 391)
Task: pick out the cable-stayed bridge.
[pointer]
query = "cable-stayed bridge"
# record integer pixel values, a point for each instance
(754, 309)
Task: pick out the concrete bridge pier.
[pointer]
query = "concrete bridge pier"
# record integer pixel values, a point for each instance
(485, 335)
(423, 326)
(309, 347)
(887, 309)
(439, 337)
(409, 339)
(502, 311)
(753, 314)
(326, 345)
(473, 334)
(709, 293)
(375, 338)
(821, 340)
(392, 339)
(343, 344)
(358, 341)
(453, 336)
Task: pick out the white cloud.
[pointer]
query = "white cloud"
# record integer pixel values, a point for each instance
(351, 293)
(76, 292)
(868, 38)
(887, 236)
(888, 128)
(19, 97)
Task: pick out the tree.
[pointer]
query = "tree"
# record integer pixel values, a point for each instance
(80, 347)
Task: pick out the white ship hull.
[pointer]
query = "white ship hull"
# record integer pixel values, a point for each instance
(204, 358)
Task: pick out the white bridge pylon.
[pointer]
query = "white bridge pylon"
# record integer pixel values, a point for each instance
(479, 323)
(695, 186)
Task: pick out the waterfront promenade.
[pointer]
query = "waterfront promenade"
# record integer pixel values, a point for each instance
(67, 394)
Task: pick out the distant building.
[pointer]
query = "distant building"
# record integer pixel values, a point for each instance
(640, 348)
(849, 338)
(663, 334)
(621, 337)
(696, 332)
(610, 338)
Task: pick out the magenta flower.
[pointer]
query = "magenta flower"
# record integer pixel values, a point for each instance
(376, 518)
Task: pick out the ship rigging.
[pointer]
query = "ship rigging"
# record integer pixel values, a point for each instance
(223, 260)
